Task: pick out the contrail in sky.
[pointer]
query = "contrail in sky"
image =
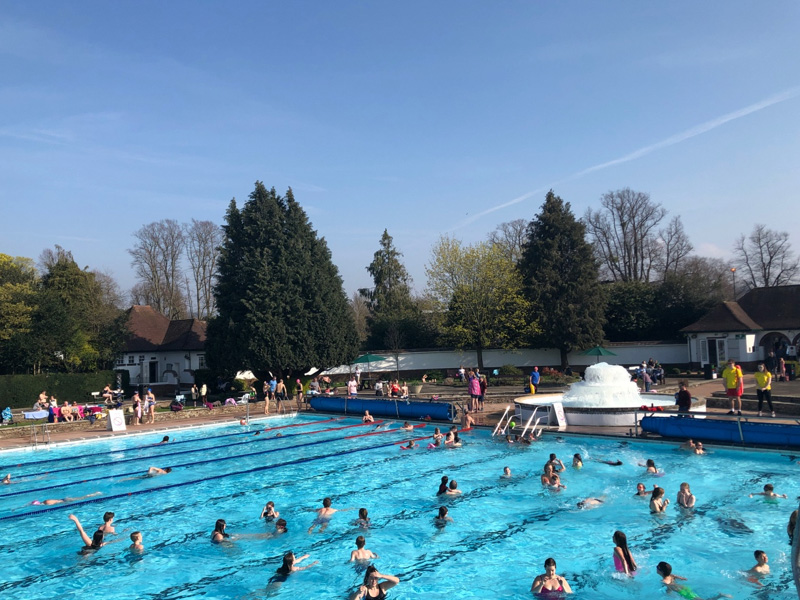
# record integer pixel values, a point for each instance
(665, 143)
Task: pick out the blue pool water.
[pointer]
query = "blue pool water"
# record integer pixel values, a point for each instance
(503, 529)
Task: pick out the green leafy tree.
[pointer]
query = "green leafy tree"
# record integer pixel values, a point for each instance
(480, 289)
(631, 311)
(281, 305)
(560, 278)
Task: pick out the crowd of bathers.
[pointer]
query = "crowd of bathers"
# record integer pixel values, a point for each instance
(376, 584)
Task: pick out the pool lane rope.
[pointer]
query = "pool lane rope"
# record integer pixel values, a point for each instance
(214, 477)
(200, 462)
(158, 444)
(161, 456)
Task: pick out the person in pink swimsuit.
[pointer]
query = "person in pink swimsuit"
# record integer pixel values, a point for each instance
(549, 583)
(623, 561)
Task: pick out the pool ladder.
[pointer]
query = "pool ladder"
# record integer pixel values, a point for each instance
(45, 435)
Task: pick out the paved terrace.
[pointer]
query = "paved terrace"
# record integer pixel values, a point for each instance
(786, 398)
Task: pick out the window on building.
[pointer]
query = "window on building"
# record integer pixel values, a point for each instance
(120, 360)
(131, 359)
(141, 358)
(201, 361)
(169, 367)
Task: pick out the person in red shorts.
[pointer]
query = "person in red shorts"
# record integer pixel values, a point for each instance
(733, 379)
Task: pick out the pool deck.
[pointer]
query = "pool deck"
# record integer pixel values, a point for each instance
(789, 392)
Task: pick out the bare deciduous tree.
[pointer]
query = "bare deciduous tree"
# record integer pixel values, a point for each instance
(623, 234)
(358, 305)
(510, 236)
(203, 239)
(157, 264)
(676, 247)
(765, 258)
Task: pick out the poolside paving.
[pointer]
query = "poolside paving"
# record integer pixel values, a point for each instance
(497, 399)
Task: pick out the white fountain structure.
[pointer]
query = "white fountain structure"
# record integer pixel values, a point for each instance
(606, 397)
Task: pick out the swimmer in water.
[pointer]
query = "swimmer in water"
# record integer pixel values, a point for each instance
(165, 440)
(280, 527)
(453, 490)
(577, 461)
(324, 515)
(411, 445)
(506, 473)
(555, 483)
(685, 498)
(664, 570)
(698, 448)
(641, 492)
(90, 544)
(373, 587)
(613, 463)
(442, 486)
(7, 480)
(651, 466)
(136, 538)
(151, 472)
(558, 466)
(62, 500)
(658, 504)
(591, 503)
(442, 518)
(289, 566)
(438, 438)
(762, 565)
(688, 445)
(361, 553)
(548, 582)
(407, 426)
(219, 535)
(623, 561)
(769, 492)
(363, 519)
(269, 513)
(367, 418)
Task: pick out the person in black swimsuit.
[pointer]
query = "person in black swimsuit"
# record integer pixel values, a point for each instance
(373, 588)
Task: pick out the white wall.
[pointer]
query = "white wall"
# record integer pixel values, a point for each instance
(626, 355)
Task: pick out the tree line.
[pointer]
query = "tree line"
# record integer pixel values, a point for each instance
(275, 302)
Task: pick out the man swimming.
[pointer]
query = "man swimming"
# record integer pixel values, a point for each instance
(324, 515)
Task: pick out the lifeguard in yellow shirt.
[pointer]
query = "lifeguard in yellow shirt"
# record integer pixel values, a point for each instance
(764, 388)
(733, 378)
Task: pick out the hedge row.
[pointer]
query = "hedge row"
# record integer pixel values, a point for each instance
(21, 391)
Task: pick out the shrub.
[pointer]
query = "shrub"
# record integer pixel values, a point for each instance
(675, 371)
(239, 385)
(21, 391)
(437, 375)
(510, 370)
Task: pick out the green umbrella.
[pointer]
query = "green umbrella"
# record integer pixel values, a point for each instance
(368, 358)
(597, 351)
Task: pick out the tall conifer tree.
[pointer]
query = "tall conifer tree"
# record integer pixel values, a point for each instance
(560, 275)
(281, 304)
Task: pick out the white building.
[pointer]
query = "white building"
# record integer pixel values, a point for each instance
(764, 320)
(160, 353)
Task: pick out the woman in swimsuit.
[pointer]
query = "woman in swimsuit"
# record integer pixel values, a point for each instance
(289, 566)
(577, 461)
(52, 501)
(547, 476)
(219, 535)
(442, 486)
(651, 466)
(623, 561)
(442, 519)
(372, 587)
(686, 498)
(269, 513)
(363, 519)
(437, 438)
(90, 544)
(549, 583)
(658, 504)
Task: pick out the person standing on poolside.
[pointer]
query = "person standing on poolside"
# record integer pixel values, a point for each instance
(204, 393)
(150, 403)
(352, 387)
(533, 380)
(137, 409)
(733, 380)
(684, 399)
(764, 388)
(280, 391)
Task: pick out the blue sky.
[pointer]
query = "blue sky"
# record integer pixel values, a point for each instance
(420, 117)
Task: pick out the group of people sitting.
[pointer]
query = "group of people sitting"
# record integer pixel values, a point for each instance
(66, 413)
(393, 389)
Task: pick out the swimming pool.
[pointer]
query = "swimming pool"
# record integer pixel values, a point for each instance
(502, 532)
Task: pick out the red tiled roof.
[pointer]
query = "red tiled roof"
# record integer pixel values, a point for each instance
(150, 331)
